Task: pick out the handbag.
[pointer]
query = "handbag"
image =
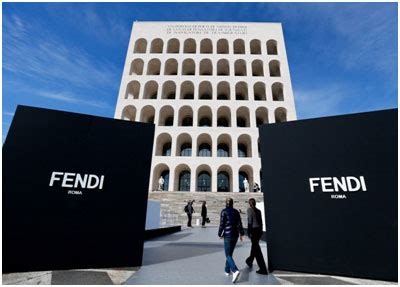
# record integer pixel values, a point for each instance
(208, 220)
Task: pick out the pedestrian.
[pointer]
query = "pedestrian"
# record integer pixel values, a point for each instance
(254, 231)
(203, 214)
(189, 211)
(256, 187)
(230, 229)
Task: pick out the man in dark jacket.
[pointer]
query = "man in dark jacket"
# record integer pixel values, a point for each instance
(203, 214)
(230, 229)
(189, 211)
(254, 231)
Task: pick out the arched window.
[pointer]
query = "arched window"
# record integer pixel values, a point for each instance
(140, 46)
(223, 182)
(206, 68)
(184, 181)
(222, 46)
(257, 67)
(150, 90)
(223, 150)
(255, 47)
(137, 67)
(156, 46)
(132, 90)
(259, 92)
(242, 150)
(173, 46)
(147, 115)
(240, 68)
(274, 68)
(165, 175)
(244, 146)
(238, 46)
(153, 67)
(189, 46)
(188, 67)
(223, 117)
(223, 91)
(206, 46)
(185, 116)
(241, 91)
(186, 149)
(261, 116)
(129, 113)
(168, 90)
(243, 117)
(242, 176)
(277, 92)
(204, 181)
(187, 90)
(166, 149)
(223, 67)
(204, 150)
(166, 116)
(205, 91)
(272, 48)
(204, 117)
(171, 67)
(280, 115)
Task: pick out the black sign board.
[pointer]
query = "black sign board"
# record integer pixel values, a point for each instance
(75, 191)
(330, 192)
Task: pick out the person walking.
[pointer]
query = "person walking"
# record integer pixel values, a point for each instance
(230, 229)
(254, 231)
(203, 214)
(189, 211)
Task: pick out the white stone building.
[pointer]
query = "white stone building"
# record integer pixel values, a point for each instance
(206, 86)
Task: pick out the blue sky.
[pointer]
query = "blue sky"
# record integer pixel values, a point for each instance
(70, 56)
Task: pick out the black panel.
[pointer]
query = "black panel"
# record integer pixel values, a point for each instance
(311, 231)
(45, 227)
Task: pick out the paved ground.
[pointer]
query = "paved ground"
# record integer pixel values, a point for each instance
(192, 256)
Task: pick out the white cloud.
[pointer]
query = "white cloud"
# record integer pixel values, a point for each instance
(72, 99)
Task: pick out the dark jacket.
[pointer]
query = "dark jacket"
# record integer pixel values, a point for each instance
(230, 224)
(203, 211)
(254, 219)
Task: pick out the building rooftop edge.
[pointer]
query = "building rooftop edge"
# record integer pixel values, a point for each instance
(207, 22)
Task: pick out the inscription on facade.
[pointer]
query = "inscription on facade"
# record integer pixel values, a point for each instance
(207, 29)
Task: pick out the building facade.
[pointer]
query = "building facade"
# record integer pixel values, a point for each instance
(206, 86)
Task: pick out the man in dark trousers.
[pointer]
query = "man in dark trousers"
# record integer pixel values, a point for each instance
(189, 211)
(230, 228)
(254, 230)
(203, 214)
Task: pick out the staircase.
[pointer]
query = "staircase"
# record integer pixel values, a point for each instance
(173, 203)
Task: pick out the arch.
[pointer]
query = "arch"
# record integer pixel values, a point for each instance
(255, 46)
(153, 67)
(277, 91)
(163, 144)
(272, 47)
(240, 68)
(189, 46)
(239, 47)
(206, 46)
(274, 68)
(136, 67)
(203, 178)
(182, 178)
(168, 90)
(204, 117)
(241, 91)
(205, 91)
(185, 116)
(147, 114)
(140, 46)
(156, 46)
(206, 68)
(161, 170)
(204, 145)
(280, 115)
(242, 117)
(150, 90)
(223, 67)
(222, 46)
(224, 179)
(166, 116)
(132, 90)
(184, 145)
(244, 146)
(257, 68)
(187, 90)
(129, 113)
(261, 116)
(224, 146)
(173, 46)
(188, 67)
(245, 171)
(171, 67)
(224, 117)
(223, 91)
(259, 91)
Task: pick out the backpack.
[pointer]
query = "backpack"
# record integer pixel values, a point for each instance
(186, 209)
